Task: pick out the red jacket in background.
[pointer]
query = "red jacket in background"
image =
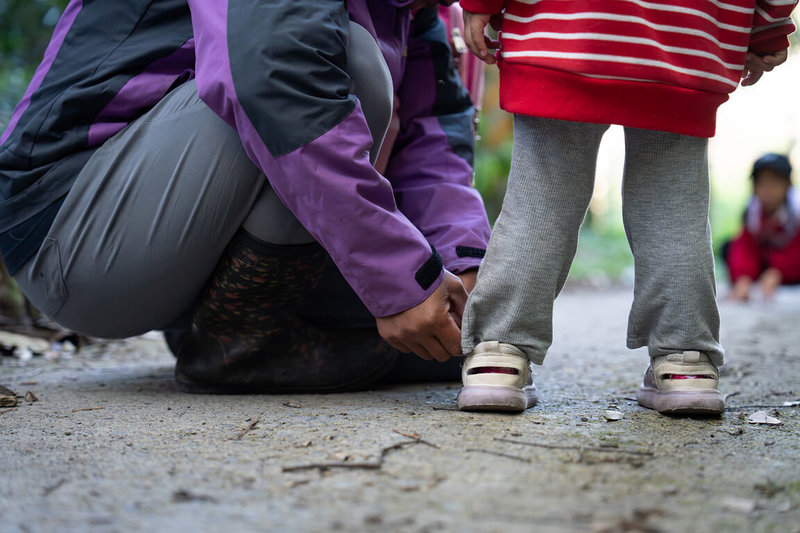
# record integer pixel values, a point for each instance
(768, 242)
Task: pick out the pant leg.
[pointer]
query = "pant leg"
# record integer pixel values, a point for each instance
(146, 221)
(665, 202)
(535, 236)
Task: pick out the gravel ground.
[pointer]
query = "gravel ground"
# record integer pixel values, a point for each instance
(111, 445)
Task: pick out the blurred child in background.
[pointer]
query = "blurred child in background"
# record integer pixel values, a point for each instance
(767, 251)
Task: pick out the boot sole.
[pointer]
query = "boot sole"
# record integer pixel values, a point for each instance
(704, 403)
(496, 398)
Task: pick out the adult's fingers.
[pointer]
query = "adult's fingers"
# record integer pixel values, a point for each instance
(457, 296)
(422, 351)
(448, 335)
(434, 349)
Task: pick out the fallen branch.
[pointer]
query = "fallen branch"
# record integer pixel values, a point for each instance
(88, 409)
(500, 454)
(247, 429)
(577, 448)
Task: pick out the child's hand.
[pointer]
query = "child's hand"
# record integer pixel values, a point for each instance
(770, 281)
(476, 39)
(755, 65)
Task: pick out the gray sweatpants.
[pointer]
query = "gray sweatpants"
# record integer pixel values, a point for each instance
(665, 200)
(154, 207)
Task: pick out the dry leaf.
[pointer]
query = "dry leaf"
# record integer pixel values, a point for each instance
(8, 398)
(761, 417)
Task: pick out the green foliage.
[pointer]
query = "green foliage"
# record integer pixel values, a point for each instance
(25, 29)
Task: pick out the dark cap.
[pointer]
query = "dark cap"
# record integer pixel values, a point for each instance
(774, 162)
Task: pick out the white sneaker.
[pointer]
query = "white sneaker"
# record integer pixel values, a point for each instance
(497, 377)
(682, 384)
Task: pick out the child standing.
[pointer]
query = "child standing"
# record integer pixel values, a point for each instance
(768, 248)
(567, 71)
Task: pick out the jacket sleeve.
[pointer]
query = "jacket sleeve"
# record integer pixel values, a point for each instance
(744, 257)
(772, 25)
(274, 71)
(787, 260)
(431, 163)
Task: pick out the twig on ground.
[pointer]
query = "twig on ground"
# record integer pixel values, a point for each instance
(738, 407)
(290, 404)
(417, 438)
(247, 429)
(366, 465)
(578, 448)
(437, 408)
(88, 408)
(47, 491)
(730, 394)
(29, 374)
(500, 454)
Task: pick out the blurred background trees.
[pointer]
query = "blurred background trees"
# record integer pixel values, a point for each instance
(25, 28)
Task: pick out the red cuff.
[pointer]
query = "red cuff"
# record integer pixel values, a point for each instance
(483, 6)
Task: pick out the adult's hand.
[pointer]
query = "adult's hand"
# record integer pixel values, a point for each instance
(468, 279)
(431, 328)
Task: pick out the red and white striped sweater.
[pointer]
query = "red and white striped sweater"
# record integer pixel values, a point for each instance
(664, 65)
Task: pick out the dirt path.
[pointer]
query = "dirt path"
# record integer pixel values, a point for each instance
(111, 445)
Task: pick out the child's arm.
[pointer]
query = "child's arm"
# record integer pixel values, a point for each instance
(477, 15)
(769, 41)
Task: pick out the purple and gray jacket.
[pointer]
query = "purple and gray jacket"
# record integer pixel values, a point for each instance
(274, 71)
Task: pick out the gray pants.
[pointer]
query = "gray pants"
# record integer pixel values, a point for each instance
(665, 197)
(153, 209)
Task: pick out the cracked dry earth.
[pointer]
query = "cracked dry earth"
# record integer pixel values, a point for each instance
(111, 445)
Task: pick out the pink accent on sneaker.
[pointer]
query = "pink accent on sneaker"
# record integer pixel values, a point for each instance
(492, 370)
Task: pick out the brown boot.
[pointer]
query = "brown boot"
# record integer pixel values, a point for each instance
(246, 336)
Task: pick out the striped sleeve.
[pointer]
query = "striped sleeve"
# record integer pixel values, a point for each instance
(772, 24)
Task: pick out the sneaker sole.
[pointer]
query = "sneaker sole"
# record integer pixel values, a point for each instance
(496, 398)
(706, 403)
